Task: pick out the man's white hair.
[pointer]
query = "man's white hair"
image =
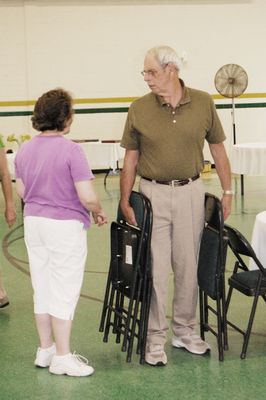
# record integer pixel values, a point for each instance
(165, 55)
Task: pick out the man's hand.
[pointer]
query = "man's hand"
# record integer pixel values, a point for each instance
(226, 204)
(128, 212)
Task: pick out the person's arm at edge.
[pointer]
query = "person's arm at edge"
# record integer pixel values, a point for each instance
(10, 213)
(223, 169)
(127, 181)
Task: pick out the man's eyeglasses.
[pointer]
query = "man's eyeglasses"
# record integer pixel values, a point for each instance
(151, 72)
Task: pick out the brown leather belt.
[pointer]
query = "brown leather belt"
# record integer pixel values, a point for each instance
(175, 182)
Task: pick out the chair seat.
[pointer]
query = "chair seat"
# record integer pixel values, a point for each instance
(246, 282)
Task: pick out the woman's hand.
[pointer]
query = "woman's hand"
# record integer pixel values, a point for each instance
(100, 218)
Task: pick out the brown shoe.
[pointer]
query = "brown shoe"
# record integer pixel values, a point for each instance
(4, 302)
(156, 356)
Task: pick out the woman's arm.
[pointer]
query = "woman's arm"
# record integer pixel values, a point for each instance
(90, 201)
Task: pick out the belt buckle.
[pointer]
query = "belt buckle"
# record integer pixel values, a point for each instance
(181, 182)
(176, 182)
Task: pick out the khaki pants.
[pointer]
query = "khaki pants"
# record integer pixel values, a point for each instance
(178, 218)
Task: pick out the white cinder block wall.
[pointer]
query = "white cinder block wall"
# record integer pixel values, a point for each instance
(95, 50)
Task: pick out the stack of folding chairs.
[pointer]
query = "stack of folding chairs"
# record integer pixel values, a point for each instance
(129, 283)
(211, 269)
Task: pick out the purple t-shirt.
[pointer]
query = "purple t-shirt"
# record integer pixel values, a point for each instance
(48, 167)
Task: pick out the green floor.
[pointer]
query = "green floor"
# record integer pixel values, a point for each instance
(186, 376)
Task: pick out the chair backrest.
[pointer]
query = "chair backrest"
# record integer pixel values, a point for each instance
(125, 253)
(214, 212)
(241, 246)
(142, 208)
(213, 248)
(132, 243)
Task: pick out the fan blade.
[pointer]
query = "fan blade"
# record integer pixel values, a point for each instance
(231, 80)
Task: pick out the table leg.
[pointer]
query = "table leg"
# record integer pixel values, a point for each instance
(112, 171)
(242, 184)
(106, 175)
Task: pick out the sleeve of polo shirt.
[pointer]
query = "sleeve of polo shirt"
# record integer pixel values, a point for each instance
(215, 133)
(130, 138)
(79, 166)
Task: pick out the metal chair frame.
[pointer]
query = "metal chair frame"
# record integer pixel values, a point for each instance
(129, 283)
(251, 283)
(211, 267)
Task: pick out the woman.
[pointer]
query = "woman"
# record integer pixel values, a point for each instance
(10, 214)
(55, 182)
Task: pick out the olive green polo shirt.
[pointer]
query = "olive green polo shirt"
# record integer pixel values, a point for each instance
(170, 141)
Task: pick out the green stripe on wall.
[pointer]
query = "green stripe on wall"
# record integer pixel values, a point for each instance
(121, 110)
(246, 105)
(77, 111)
(101, 110)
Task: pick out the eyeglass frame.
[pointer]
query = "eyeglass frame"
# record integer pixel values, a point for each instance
(152, 72)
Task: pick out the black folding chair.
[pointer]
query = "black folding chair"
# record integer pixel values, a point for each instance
(129, 283)
(211, 267)
(250, 283)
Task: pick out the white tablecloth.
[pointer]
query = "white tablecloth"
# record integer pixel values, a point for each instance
(249, 159)
(10, 163)
(103, 155)
(258, 240)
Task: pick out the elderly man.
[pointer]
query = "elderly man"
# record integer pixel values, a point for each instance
(10, 214)
(164, 137)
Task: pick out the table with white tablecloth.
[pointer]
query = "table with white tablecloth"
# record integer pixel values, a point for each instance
(100, 155)
(103, 155)
(258, 240)
(249, 159)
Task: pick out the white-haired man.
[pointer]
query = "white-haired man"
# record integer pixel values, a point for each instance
(164, 137)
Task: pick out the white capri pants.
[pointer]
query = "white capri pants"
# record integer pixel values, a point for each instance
(57, 251)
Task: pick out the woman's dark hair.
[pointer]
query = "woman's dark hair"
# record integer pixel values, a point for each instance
(52, 111)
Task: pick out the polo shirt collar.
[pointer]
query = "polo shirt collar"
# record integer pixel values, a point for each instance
(185, 97)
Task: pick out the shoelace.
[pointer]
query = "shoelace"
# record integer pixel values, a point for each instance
(80, 358)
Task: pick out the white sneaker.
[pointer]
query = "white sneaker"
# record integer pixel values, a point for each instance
(192, 343)
(155, 355)
(44, 356)
(70, 364)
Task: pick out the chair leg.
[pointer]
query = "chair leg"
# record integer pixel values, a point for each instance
(219, 330)
(145, 323)
(224, 320)
(119, 319)
(248, 331)
(132, 331)
(108, 317)
(105, 303)
(228, 299)
(201, 309)
(206, 312)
